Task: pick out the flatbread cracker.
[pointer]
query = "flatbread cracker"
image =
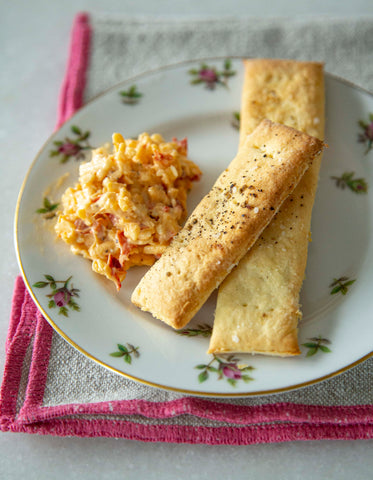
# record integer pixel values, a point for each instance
(226, 223)
(258, 303)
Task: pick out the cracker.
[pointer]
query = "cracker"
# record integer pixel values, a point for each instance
(258, 303)
(226, 223)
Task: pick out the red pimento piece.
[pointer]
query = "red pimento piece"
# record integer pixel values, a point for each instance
(195, 178)
(164, 158)
(125, 247)
(98, 229)
(182, 144)
(113, 262)
(112, 218)
(81, 226)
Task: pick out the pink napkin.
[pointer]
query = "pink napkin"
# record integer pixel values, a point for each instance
(29, 404)
(185, 419)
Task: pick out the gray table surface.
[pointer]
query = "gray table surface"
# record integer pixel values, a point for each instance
(33, 55)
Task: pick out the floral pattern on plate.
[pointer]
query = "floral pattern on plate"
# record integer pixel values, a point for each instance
(104, 317)
(366, 135)
(126, 352)
(72, 147)
(225, 368)
(236, 120)
(131, 96)
(317, 344)
(61, 297)
(341, 285)
(48, 210)
(202, 330)
(356, 185)
(210, 76)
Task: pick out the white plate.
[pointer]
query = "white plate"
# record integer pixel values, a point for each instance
(342, 231)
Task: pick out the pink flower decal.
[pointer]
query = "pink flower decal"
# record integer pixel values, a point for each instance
(230, 370)
(210, 76)
(61, 297)
(227, 369)
(69, 149)
(366, 135)
(72, 147)
(356, 185)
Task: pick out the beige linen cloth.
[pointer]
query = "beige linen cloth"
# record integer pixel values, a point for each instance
(125, 46)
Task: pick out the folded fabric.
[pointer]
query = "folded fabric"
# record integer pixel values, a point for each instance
(50, 388)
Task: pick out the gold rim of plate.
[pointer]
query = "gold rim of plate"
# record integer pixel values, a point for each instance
(100, 362)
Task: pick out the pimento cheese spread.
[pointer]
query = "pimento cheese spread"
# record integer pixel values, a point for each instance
(128, 203)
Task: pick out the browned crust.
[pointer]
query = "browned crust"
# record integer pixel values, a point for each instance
(226, 223)
(258, 304)
(285, 91)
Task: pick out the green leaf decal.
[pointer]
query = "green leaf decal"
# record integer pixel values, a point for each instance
(236, 120)
(325, 349)
(203, 330)
(116, 354)
(126, 351)
(122, 348)
(73, 305)
(131, 96)
(310, 345)
(347, 180)
(63, 311)
(317, 344)
(203, 376)
(40, 284)
(365, 136)
(340, 285)
(76, 130)
(127, 358)
(48, 208)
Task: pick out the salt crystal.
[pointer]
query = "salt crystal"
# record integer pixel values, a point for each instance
(256, 210)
